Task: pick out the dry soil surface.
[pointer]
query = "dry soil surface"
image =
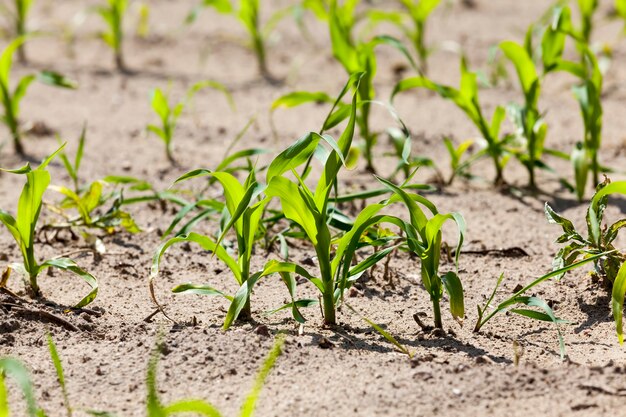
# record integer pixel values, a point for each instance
(346, 371)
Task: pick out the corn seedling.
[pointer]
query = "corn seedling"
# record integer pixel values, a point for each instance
(418, 13)
(584, 156)
(466, 99)
(599, 238)
(488, 311)
(311, 211)
(11, 99)
(531, 127)
(112, 13)
(424, 238)
(169, 114)
(89, 201)
(458, 166)
(609, 262)
(22, 228)
(243, 213)
(248, 13)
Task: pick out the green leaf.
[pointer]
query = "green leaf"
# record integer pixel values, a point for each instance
(568, 227)
(454, 288)
(293, 205)
(67, 264)
(159, 104)
(58, 366)
(617, 301)
(199, 289)
(191, 406)
(6, 60)
(205, 243)
(523, 63)
(248, 407)
(16, 370)
(300, 97)
(382, 332)
(57, 80)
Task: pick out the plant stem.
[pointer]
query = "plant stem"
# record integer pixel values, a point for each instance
(246, 311)
(120, 65)
(595, 167)
(17, 141)
(437, 313)
(328, 297)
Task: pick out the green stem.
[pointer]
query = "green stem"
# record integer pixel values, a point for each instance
(437, 313)
(328, 297)
(246, 311)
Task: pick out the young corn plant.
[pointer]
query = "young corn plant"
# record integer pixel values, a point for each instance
(424, 238)
(466, 99)
(518, 302)
(89, 201)
(11, 99)
(248, 13)
(458, 166)
(169, 114)
(355, 57)
(417, 12)
(312, 211)
(599, 243)
(588, 94)
(22, 228)
(112, 13)
(528, 119)
(243, 213)
(599, 239)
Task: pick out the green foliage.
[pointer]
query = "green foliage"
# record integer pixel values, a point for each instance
(11, 99)
(89, 201)
(423, 238)
(155, 408)
(532, 128)
(16, 370)
(620, 9)
(243, 213)
(248, 14)
(466, 99)
(22, 228)
(58, 367)
(458, 166)
(584, 156)
(599, 240)
(484, 313)
(417, 13)
(112, 13)
(169, 114)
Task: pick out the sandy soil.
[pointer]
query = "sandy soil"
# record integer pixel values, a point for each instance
(358, 373)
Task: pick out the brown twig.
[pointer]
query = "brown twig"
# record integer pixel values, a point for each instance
(47, 315)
